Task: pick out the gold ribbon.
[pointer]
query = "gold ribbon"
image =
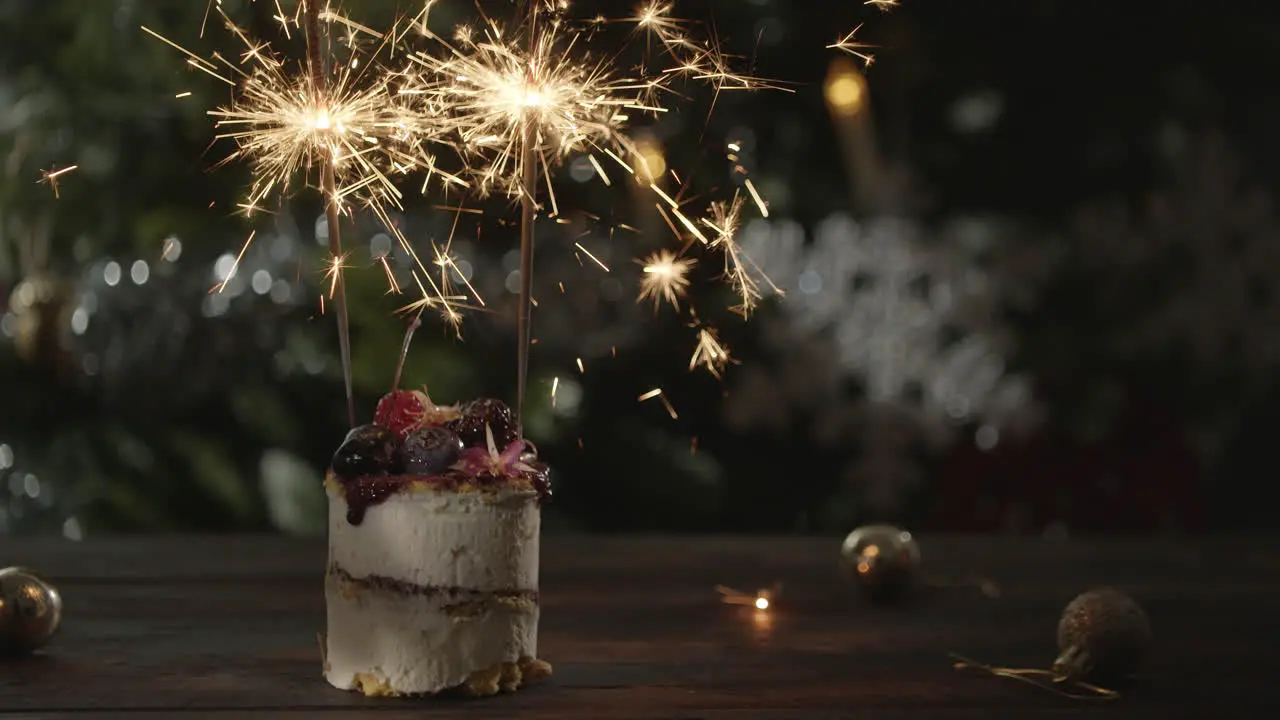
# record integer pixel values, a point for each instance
(1037, 678)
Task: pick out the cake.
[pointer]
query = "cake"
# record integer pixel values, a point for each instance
(432, 579)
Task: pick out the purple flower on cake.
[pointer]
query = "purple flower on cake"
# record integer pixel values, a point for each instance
(488, 461)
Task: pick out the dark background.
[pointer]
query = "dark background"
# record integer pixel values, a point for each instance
(1093, 182)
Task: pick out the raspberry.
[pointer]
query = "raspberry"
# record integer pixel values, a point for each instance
(401, 411)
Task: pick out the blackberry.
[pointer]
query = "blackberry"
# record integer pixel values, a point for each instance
(485, 411)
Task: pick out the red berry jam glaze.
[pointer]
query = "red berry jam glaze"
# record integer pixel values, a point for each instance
(365, 491)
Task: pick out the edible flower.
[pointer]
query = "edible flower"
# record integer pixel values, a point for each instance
(509, 463)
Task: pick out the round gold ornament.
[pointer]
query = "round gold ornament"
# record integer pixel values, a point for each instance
(30, 611)
(1102, 637)
(882, 559)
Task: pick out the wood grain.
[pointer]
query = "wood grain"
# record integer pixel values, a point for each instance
(226, 627)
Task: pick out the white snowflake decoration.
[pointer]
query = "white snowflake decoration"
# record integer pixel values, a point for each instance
(890, 301)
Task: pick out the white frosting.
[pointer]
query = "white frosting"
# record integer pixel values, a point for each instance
(476, 542)
(473, 540)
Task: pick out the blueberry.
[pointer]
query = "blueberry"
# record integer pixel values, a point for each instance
(430, 450)
(368, 450)
(485, 411)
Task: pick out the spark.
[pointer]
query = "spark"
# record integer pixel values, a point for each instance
(183, 94)
(848, 44)
(740, 271)
(555, 387)
(755, 197)
(884, 5)
(661, 397)
(593, 257)
(710, 353)
(665, 278)
(333, 272)
(51, 176)
(235, 266)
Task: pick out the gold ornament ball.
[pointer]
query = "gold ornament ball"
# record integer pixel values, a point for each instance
(1103, 636)
(882, 559)
(30, 611)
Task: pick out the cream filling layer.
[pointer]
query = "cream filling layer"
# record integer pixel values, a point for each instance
(479, 540)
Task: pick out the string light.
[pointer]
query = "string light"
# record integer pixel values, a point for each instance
(762, 600)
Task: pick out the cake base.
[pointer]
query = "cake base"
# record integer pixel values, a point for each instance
(502, 678)
(434, 592)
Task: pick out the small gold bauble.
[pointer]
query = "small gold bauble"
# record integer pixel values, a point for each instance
(30, 611)
(882, 559)
(1103, 636)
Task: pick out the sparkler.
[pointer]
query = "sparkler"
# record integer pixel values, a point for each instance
(320, 121)
(514, 107)
(505, 108)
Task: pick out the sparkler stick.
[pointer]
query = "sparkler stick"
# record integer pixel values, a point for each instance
(414, 324)
(528, 214)
(311, 20)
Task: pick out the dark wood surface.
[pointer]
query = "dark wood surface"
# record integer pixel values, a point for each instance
(227, 628)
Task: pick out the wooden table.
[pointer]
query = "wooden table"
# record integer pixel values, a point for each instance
(227, 628)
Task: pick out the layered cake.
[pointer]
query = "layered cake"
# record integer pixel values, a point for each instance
(432, 582)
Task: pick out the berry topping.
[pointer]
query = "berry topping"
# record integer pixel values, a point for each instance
(430, 451)
(478, 414)
(403, 411)
(368, 450)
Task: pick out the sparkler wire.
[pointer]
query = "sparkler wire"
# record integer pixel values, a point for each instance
(311, 18)
(528, 215)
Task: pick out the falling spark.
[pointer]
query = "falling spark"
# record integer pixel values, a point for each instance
(710, 353)
(51, 176)
(581, 368)
(593, 257)
(555, 386)
(740, 271)
(183, 94)
(333, 272)
(755, 197)
(661, 397)
(849, 45)
(235, 266)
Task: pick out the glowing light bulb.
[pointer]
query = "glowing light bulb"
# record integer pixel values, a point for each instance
(762, 603)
